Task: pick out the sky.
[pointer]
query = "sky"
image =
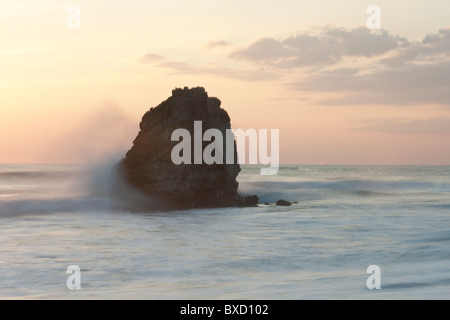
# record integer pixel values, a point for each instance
(339, 92)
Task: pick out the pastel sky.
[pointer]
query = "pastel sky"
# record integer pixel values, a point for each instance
(339, 92)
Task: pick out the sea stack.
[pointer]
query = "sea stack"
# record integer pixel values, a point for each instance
(149, 167)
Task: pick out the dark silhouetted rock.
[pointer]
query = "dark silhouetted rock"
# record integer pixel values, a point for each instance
(283, 203)
(250, 201)
(148, 165)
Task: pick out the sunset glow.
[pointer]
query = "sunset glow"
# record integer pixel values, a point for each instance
(338, 92)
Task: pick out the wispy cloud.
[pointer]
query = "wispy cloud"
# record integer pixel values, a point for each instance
(327, 47)
(431, 126)
(180, 67)
(434, 47)
(151, 58)
(214, 44)
(364, 67)
(414, 73)
(408, 85)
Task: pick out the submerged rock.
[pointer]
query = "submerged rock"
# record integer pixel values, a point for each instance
(284, 203)
(250, 201)
(148, 165)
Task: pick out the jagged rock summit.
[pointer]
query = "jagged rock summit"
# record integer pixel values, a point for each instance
(148, 165)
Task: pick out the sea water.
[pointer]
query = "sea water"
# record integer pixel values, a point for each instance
(347, 218)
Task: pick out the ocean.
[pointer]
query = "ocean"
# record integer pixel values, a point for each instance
(345, 219)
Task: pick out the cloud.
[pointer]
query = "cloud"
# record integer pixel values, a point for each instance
(433, 47)
(415, 73)
(431, 126)
(327, 47)
(213, 44)
(150, 58)
(180, 67)
(408, 85)
(357, 65)
(266, 50)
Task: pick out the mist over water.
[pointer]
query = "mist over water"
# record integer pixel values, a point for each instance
(46, 189)
(102, 135)
(346, 218)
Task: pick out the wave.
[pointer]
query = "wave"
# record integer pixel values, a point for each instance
(92, 188)
(412, 285)
(36, 175)
(130, 201)
(38, 207)
(352, 185)
(98, 187)
(291, 187)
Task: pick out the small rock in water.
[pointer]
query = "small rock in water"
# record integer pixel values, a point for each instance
(283, 203)
(250, 201)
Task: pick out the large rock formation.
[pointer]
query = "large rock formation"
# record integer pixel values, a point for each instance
(148, 165)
